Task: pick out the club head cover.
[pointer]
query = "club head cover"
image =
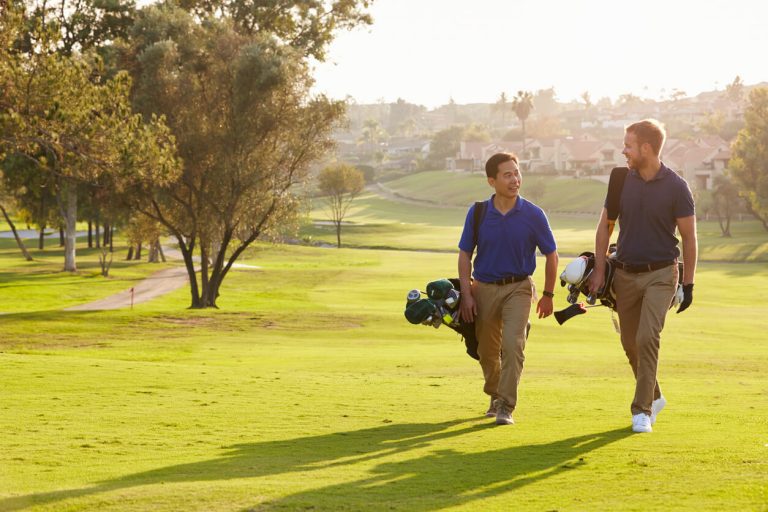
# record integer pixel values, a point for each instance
(570, 312)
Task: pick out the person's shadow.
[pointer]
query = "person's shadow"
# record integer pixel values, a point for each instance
(447, 477)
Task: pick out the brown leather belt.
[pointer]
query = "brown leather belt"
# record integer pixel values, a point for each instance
(510, 279)
(646, 267)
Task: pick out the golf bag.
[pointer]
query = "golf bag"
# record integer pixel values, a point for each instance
(441, 307)
(576, 277)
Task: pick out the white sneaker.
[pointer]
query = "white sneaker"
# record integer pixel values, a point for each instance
(641, 423)
(656, 407)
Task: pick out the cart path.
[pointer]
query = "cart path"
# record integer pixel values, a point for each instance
(159, 283)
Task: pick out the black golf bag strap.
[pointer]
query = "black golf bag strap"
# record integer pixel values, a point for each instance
(477, 219)
(613, 201)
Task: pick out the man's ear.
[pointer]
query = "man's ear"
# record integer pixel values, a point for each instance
(492, 182)
(646, 149)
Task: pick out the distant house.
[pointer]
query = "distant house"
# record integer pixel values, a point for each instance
(699, 161)
(569, 155)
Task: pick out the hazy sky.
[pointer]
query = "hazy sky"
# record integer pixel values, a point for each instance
(427, 51)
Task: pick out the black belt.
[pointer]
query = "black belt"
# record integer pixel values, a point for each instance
(645, 267)
(516, 278)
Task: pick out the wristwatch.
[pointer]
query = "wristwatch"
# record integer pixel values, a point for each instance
(551, 295)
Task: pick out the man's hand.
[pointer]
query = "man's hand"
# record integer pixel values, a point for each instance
(687, 297)
(596, 282)
(467, 307)
(544, 307)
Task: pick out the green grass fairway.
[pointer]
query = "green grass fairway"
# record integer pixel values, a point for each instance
(561, 194)
(377, 222)
(308, 390)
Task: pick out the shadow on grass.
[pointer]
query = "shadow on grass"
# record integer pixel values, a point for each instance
(428, 482)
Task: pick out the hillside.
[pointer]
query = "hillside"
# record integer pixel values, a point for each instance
(561, 194)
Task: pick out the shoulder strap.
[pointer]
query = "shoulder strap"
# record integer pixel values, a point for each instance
(615, 186)
(479, 215)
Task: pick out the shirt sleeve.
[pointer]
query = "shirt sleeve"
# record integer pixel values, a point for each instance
(684, 206)
(467, 242)
(545, 239)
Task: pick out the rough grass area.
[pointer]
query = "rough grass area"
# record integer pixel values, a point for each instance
(308, 390)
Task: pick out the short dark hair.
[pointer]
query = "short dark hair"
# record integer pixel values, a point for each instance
(492, 165)
(650, 131)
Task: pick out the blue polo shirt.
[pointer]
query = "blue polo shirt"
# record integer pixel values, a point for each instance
(507, 243)
(648, 214)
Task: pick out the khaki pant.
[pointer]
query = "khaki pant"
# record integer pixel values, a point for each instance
(502, 316)
(642, 302)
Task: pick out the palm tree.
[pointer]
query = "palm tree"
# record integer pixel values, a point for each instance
(502, 106)
(522, 104)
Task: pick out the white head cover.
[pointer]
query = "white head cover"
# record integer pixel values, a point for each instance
(574, 271)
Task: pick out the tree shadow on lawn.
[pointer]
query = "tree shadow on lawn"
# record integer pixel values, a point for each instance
(429, 482)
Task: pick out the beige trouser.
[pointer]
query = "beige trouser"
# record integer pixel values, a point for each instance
(642, 302)
(502, 316)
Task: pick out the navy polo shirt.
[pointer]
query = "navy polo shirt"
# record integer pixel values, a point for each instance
(648, 215)
(507, 243)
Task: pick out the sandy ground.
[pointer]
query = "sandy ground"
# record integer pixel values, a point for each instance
(157, 284)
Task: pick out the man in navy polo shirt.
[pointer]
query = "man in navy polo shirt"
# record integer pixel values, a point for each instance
(654, 202)
(499, 299)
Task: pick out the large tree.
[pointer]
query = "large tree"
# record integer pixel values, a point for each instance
(749, 161)
(247, 130)
(59, 113)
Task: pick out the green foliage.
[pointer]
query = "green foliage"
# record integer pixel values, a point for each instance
(83, 25)
(749, 162)
(445, 143)
(308, 26)
(369, 173)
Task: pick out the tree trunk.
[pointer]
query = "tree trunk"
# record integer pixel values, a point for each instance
(61, 236)
(130, 253)
(41, 238)
(186, 254)
(204, 282)
(160, 251)
(138, 252)
(152, 257)
(90, 233)
(106, 234)
(70, 228)
(338, 235)
(98, 233)
(19, 241)
(111, 238)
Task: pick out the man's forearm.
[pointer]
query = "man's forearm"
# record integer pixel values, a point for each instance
(465, 270)
(602, 238)
(550, 272)
(690, 258)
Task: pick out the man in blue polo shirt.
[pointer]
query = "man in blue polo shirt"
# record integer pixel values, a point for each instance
(654, 202)
(499, 299)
